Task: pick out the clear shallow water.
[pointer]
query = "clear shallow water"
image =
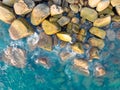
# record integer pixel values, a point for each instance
(60, 76)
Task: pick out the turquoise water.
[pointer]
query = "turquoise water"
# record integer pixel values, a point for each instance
(60, 76)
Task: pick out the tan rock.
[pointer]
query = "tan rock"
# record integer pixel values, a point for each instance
(74, 8)
(118, 9)
(93, 3)
(8, 2)
(101, 22)
(6, 14)
(75, 20)
(39, 13)
(23, 7)
(20, 29)
(115, 2)
(63, 21)
(102, 5)
(107, 11)
(89, 14)
(116, 18)
(50, 28)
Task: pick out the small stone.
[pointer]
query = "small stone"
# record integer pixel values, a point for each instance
(93, 3)
(53, 19)
(20, 29)
(63, 21)
(15, 57)
(63, 44)
(102, 5)
(111, 35)
(89, 14)
(50, 28)
(75, 28)
(23, 7)
(115, 2)
(107, 11)
(58, 2)
(101, 22)
(64, 37)
(75, 20)
(72, 1)
(98, 32)
(116, 18)
(74, 8)
(8, 2)
(55, 10)
(77, 47)
(96, 42)
(45, 41)
(6, 14)
(39, 13)
(81, 38)
(82, 32)
(118, 9)
(81, 65)
(71, 14)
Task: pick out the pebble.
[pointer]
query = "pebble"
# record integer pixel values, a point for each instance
(115, 2)
(118, 9)
(93, 3)
(63, 21)
(74, 8)
(111, 35)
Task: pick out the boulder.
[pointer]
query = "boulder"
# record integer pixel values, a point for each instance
(8, 2)
(63, 21)
(39, 13)
(115, 2)
(20, 29)
(93, 3)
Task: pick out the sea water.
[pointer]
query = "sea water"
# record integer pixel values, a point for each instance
(60, 76)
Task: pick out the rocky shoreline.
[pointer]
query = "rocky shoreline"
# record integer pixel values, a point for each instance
(61, 20)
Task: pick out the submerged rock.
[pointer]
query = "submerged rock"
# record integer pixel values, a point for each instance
(15, 57)
(63, 21)
(6, 14)
(8, 2)
(111, 35)
(39, 13)
(23, 7)
(93, 3)
(20, 29)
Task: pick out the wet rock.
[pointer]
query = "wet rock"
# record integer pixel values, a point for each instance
(89, 14)
(23, 7)
(116, 18)
(63, 21)
(107, 11)
(58, 2)
(8, 2)
(15, 57)
(93, 3)
(20, 29)
(45, 41)
(64, 37)
(74, 8)
(115, 2)
(78, 48)
(55, 10)
(6, 14)
(55, 41)
(71, 14)
(63, 44)
(118, 9)
(81, 35)
(98, 32)
(75, 28)
(82, 65)
(101, 22)
(39, 13)
(111, 35)
(102, 5)
(50, 28)
(95, 42)
(75, 20)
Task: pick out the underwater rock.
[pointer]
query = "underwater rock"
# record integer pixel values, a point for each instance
(101, 22)
(6, 14)
(81, 35)
(20, 29)
(74, 8)
(63, 21)
(98, 32)
(8, 2)
(93, 3)
(55, 10)
(45, 41)
(15, 57)
(89, 14)
(111, 35)
(50, 28)
(22, 7)
(39, 13)
(118, 9)
(115, 2)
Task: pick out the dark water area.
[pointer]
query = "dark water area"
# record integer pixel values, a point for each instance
(60, 76)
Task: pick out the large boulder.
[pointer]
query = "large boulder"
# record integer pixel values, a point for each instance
(39, 13)
(15, 57)
(20, 29)
(6, 14)
(23, 7)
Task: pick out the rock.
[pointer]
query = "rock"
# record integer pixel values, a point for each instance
(55, 10)
(81, 35)
(111, 35)
(55, 41)
(95, 42)
(82, 32)
(107, 11)
(23, 7)
(15, 57)
(6, 14)
(102, 5)
(77, 47)
(71, 14)
(115, 2)
(53, 19)
(81, 65)
(98, 32)
(8, 2)
(58, 2)
(63, 44)
(63, 21)
(75, 20)
(74, 8)
(101, 22)
(89, 14)
(45, 41)
(75, 28)
(93, 3)
(50, 28)
(64, 37)
(71, 1)
(20, 29)
(39, 13)
(116, 18)
(118, 9)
